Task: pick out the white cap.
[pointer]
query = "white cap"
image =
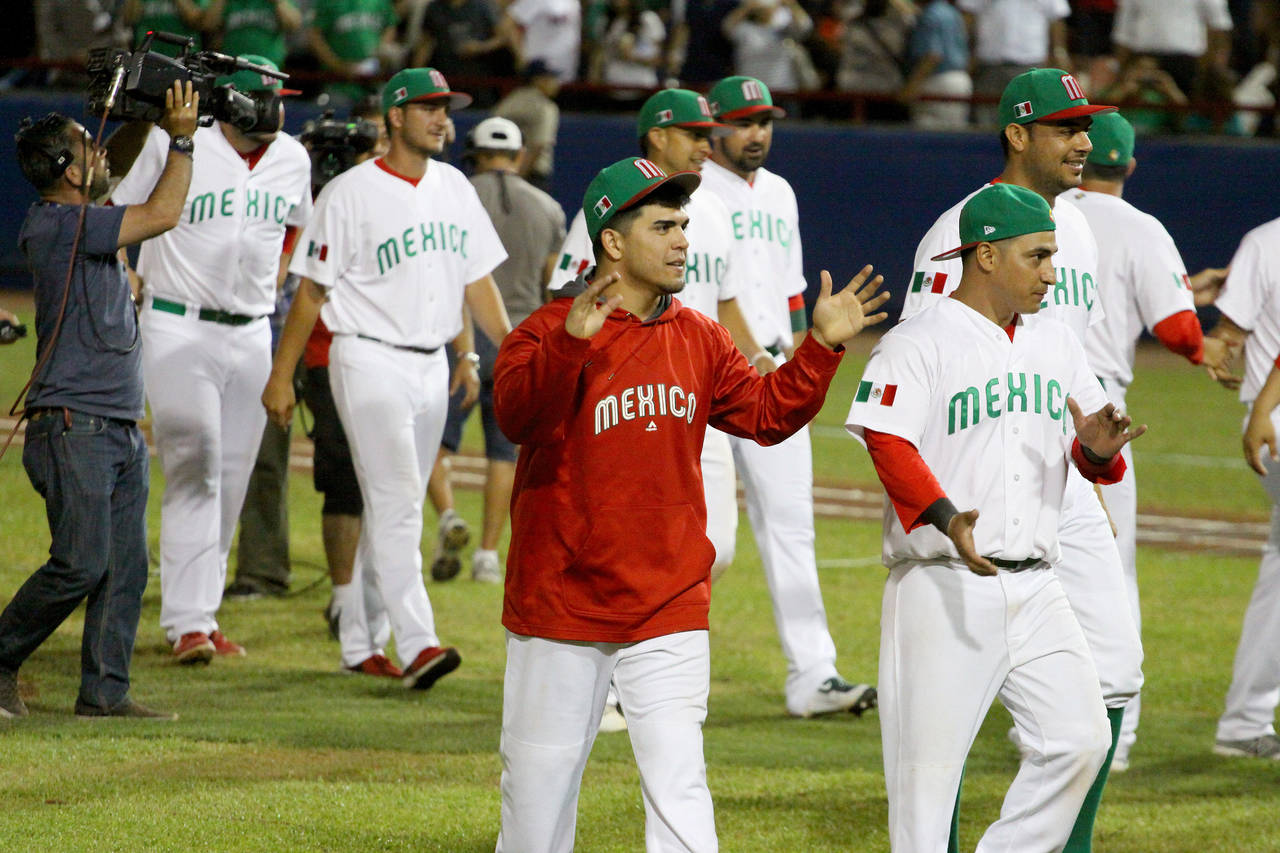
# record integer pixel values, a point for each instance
(495, 134)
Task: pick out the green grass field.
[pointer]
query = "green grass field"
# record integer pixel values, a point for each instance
(280, 752)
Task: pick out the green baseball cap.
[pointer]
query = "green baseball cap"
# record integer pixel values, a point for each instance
(420, 84)
(248, 80)
(1112, 138)
(626, 183)
(736, 97)
(1045, 94)
(679, 108)
(999, 212)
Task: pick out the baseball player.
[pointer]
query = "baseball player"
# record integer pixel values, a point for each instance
(398, 244)
(973, 609)
(1046, 119)
(778, 480)
(210, 285)
(1145, 285)
(530, 224)
(675, 129)
(608, 576)
(1250, 306)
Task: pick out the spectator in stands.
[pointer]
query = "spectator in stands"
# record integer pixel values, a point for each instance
(874, 50)
(764, 34)
(1143, 81)
(1186, 38)
(252, 26)
(632, 50)
(699, 42)
(1089, 40)
(347, 36)
(551, 30)
(938, 57)
(533, 108)
(180, 17)
(1009, 37)
(66, 30)
(466, 38)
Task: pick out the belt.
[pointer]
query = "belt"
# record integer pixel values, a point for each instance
(209, 315)
(1018, 565)
(405, 347)
(42, 412)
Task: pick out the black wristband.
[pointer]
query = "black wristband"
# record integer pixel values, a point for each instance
(182, 145)
(1093, 458)
(940, 513)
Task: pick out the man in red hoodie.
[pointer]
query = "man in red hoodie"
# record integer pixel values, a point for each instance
(609, 390)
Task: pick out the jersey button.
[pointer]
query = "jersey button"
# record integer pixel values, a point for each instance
(1017, 477)
(1015, 430)
(1017, 521)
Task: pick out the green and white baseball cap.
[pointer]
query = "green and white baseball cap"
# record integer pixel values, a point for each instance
(999, 212)
(248, 80)
(420, 84)
(1112, 137)
(624, 184)
(738, 97)
(1045, 94)
(679, 108)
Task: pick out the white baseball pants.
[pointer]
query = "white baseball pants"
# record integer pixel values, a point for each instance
(950, 643)
(1122, 503)
(1094, 580)
(363, 625)
(553, 695)
(204, 384)
(779, 490)
(392, 404)
(1255, 677)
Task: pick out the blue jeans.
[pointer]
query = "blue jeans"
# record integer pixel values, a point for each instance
(93, 474)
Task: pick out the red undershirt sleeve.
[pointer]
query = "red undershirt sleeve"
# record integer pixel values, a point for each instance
(290, 237)
(911, 486)
(795, 305)
(1181, 333)
(1104, 474)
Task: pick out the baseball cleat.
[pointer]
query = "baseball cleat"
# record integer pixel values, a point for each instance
(453, 536)
(11, 704)
(1266, 746)
(224, 647)
(836, 695)
(194, 647)
(430, 666)
(377, 665)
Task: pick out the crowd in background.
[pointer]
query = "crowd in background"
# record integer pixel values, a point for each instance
(1192, 65)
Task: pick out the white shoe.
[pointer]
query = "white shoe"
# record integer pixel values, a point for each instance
(485, 567)
(837, 695)
(1119, 764)
(612, 720)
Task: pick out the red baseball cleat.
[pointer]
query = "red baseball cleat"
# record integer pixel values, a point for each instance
(430, 666)
(223, 646)
(377, 665)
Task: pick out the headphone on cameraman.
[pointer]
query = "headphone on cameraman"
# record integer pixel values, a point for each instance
(59, 156)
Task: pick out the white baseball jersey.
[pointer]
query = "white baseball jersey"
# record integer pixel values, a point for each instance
(397, 256)
(1144, 280)
(707, 278)
(1073, 300)
(225, 252)
(953, 384)
(1251, 299)
(769, 260)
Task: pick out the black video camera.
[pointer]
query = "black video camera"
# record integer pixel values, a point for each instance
(132, 86)
(335, 145)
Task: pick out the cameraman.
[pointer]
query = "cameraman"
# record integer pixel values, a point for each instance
(210, 285)
(84, 452)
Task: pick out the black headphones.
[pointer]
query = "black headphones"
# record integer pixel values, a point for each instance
(48, 126)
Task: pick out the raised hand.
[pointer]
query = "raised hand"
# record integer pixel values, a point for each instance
(1105, 431)
(181, 110)
(588, 313)
(960, 532)
(838, 317)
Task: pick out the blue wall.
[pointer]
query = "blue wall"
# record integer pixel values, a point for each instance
(866, 195)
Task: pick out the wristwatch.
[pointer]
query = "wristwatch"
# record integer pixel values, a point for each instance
(182, 144)
(471, 357)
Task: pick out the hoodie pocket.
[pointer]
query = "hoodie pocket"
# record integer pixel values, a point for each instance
(636, 560)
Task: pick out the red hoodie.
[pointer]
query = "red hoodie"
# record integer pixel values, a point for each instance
(608, 517)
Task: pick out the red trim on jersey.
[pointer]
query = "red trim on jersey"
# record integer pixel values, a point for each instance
(291, 233)
(795, 303)
(382, 164)
(1103, 475)
(251, 158)
(1182, 334)
(1008, 330)
(911, 486)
